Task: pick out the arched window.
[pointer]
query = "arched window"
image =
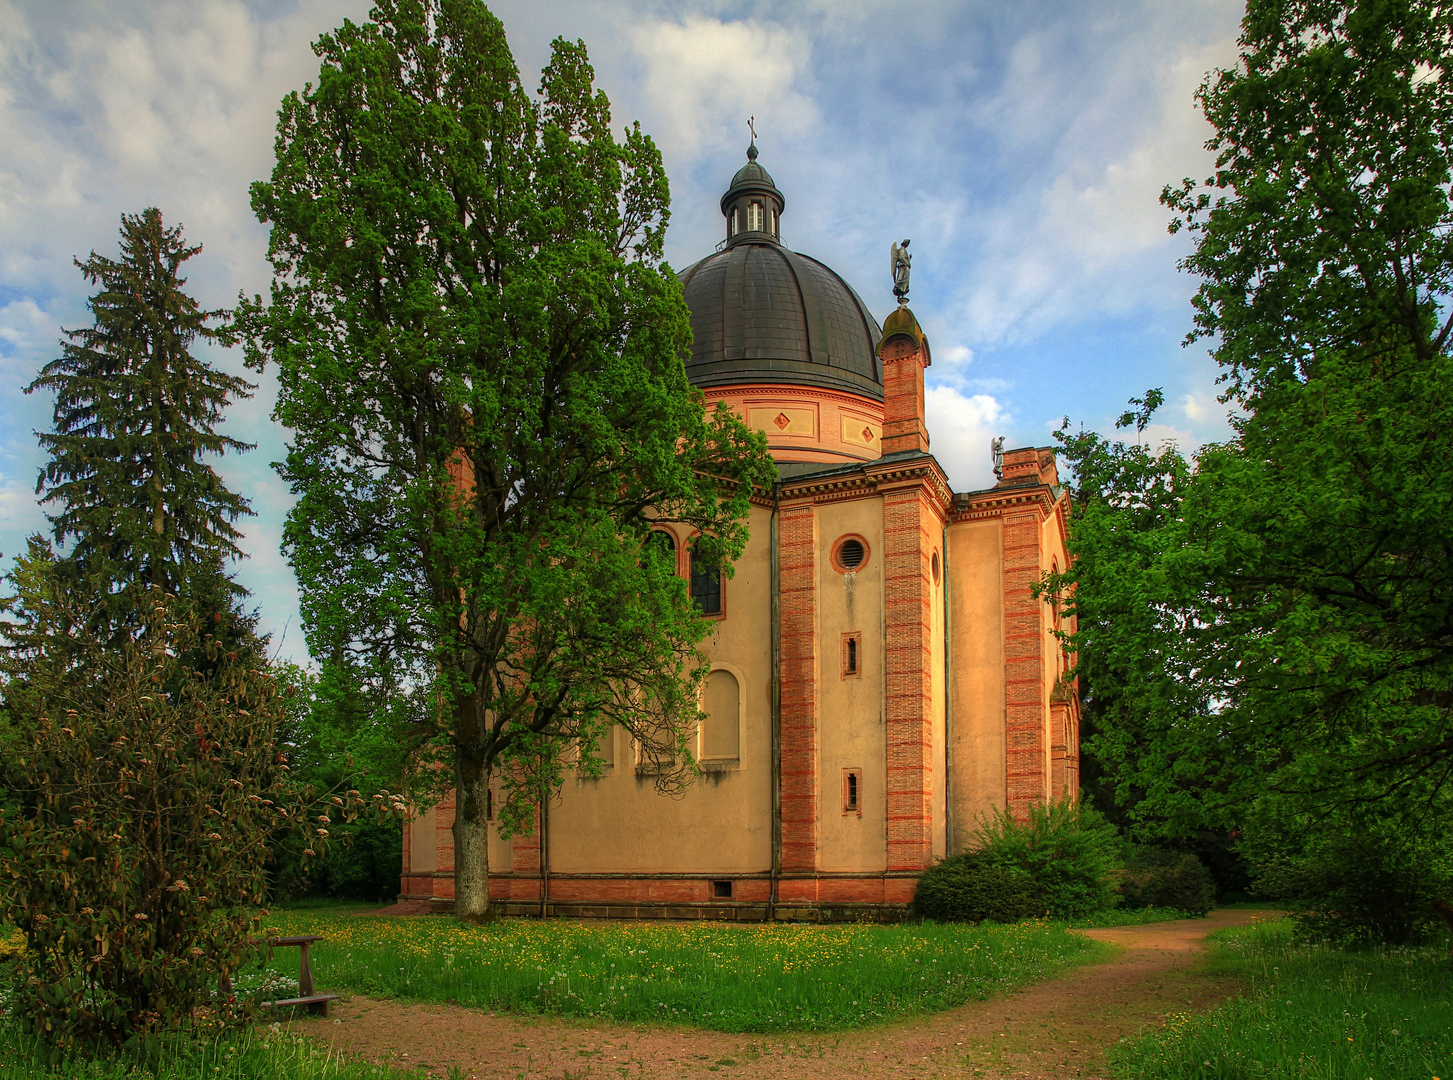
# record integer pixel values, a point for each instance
(705, 585)
(664, 543)
(721, 735)
(772, 217)
(754, 217)
(734, 221)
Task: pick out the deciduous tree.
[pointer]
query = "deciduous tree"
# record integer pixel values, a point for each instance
(1271, 622)
(479, 351)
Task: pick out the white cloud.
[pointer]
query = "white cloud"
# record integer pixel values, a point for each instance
(960, 428)
(705, 76)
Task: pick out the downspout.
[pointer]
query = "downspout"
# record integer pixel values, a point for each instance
(544, 853)
(776, 708)
(948, 683)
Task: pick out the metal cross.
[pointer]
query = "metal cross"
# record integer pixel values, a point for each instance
(752, 127)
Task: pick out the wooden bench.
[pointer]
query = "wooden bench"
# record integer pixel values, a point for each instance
(316, 1004)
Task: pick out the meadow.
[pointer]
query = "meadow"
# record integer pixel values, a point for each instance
(1311, 1012)
(756, 978)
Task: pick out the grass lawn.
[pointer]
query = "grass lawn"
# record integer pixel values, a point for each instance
(759, 978)
(1311, 1012)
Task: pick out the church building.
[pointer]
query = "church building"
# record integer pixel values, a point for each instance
(882, 673)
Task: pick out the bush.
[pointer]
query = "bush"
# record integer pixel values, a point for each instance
(965, 888)
(134, 865)
(1356, 881)
(1158, 877)
(1064, 855)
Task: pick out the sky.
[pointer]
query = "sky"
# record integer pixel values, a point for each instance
(1022, 147)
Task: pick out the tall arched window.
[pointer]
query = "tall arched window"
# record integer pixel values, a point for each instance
(705, 585)
(754, 217)
(721, 734)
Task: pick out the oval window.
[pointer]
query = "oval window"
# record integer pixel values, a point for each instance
(935, 567)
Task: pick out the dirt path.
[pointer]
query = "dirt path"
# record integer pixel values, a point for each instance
(1055, 1029)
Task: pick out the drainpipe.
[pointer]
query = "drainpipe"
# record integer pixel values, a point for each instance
(776, 708)
(544, 852)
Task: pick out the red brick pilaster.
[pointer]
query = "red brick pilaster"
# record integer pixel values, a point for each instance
(1024, 719)
(797, 575)
(910, 523)
(904, 427)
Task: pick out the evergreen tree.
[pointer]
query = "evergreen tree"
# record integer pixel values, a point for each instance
(135, 414)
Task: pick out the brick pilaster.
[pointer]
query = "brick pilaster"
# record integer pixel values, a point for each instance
(909, 525)
(1024, 719)
(797, 575)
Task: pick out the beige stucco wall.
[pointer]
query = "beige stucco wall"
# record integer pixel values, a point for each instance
(850, 711)
(976, 720)
(722, 823)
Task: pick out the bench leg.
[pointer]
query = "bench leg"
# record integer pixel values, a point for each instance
(318, 1008)
(305, 974)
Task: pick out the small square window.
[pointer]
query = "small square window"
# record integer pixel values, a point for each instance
(721, 890)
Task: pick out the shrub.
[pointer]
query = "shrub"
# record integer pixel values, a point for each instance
(1353, 881)
(1159, 877)
(134, 865)
(1065, 856)
(965, 888)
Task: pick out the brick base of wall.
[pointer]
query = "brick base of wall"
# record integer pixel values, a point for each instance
(800, 897)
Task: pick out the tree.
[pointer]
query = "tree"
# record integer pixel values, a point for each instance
(145, 795)
(135, 414)
(1269, 624)
(479, 353)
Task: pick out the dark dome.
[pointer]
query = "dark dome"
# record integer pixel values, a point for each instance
(763, 314)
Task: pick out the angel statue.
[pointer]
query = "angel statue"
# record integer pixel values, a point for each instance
(996, 451)
(901, 261)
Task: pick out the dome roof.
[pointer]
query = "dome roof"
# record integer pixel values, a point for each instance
(763, 314)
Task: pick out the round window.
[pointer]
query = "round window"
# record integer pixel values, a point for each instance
(849, 554)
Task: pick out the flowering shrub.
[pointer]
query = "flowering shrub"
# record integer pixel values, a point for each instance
(148, 794)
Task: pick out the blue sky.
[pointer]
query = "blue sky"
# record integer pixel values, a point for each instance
(1021, 146)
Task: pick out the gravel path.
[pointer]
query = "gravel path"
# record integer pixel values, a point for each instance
(1056, 1029)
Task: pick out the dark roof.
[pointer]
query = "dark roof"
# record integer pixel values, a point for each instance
(762, 313)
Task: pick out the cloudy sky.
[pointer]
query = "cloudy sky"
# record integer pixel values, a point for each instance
(1021, 146)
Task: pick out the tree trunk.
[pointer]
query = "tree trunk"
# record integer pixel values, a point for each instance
(471, 839)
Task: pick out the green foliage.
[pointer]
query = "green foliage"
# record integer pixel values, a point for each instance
(1161, 877)
(967, 888)
(1354, 879)
(261, 1053)
(148, 790)
(135, 413)
(479, 358)
(765, 977)
(335, 738)
(1068, 850)
(1339, 1014)
(1060, 862)
(1264, 628)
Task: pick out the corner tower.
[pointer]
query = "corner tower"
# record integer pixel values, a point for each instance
(780, 337)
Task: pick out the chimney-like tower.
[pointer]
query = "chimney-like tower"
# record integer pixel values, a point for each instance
(904, 354)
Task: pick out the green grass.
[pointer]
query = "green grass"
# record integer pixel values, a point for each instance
(1311, 1013)
(262, 1054)
(760, 978)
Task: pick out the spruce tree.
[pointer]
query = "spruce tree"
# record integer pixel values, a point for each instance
(135, 415)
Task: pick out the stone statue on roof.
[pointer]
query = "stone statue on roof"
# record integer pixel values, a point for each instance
(900, 263)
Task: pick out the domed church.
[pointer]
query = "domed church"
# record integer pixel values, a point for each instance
(881, 671)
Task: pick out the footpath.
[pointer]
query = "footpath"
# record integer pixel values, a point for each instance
(1052, 1030)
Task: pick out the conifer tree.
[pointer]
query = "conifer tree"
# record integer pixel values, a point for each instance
(135, 415)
